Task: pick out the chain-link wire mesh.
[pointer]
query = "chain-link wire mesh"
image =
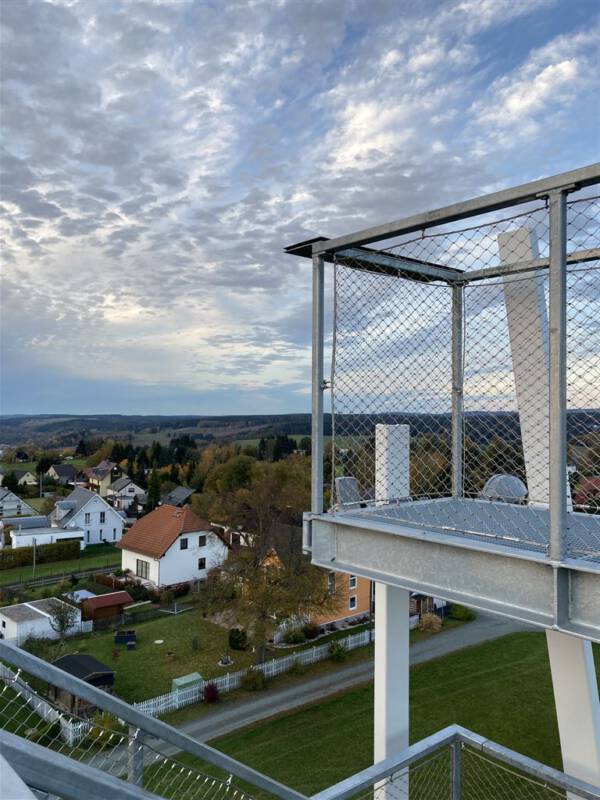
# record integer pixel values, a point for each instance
(426, 779)
(103, 742)
(484, 778)
(397, 362)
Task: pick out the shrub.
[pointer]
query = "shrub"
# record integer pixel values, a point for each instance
(167, 598)
(102, 721)
(211, 693)
(73, 580)
(430, 622)
(45, 553)
(461, 613)
(310, 630)
(138, 593)
(337, 651)
(238, 639)
(254, 681)
(294, 636)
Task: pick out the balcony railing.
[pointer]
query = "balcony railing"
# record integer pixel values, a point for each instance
(143, 758)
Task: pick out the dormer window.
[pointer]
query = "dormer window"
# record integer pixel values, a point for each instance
(202, 540)
(183, 544)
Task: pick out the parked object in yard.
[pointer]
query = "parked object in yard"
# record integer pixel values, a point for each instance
(192, 679)
(124, 637)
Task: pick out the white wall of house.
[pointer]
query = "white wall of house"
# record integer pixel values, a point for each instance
(28, 479)
(39, 628)
(99, 522)
(179, 565)
(12, 506)
(38, 536)
(130, 559)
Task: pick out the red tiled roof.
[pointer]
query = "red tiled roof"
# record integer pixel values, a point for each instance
(153, 534)
(109, 599)
(588, 488)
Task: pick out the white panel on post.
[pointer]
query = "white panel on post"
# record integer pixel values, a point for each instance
(529, 343)
(577, 705)
(392, 612)
(392, 462)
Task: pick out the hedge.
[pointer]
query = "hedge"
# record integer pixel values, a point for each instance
(45, 553)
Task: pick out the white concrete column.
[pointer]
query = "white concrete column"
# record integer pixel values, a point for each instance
(527, 318)
(577, 705)
(392, 614)
(392, 462)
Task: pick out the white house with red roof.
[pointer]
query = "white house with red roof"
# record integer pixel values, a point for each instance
(172, 545)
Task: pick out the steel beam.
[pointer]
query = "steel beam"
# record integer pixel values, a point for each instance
(49, 771)
(457, 388)
(585, 176)
(318, 335)
(529, 265)
(505, 580)
(558, 373)
(391, 264)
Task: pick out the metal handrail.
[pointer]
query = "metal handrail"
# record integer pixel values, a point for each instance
(149, 725)
(49, 771)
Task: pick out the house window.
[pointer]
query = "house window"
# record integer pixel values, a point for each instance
(352, 603)
(102, 517)
(87, 537)
(183, 544)
(201, 563)
(114, 533)
(142, 568)
(353, 581)
(18, 508)
(4, 623)
(202, 541)
(331, 583)
(88, 517)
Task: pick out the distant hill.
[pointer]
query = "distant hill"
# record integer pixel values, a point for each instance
(63, 430)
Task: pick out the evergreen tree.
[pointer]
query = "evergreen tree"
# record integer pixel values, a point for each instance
(153, 493)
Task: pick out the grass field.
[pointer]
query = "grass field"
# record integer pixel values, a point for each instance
(500, 689)
(95, 556)
(79, 463)
(146, 671)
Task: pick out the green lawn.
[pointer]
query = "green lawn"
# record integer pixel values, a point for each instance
(94, 556)
(500, 689)
(147, 671)
(78, 463)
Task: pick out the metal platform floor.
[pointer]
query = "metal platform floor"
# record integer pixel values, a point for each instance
(503, 524)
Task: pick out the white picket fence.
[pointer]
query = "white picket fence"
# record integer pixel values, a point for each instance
(71, 730)
(171, 701)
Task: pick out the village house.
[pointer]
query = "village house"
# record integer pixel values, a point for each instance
(11, 504)
(100, 477)
(178, 496)
(25, 477)
(125, 495)
(35, 531)
(88, 511)
(65, 474)
(171, 545)
(33, 620)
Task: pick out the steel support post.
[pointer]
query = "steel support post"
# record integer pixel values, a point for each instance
(135, 757)
(456, 750)
(558, 372)
(318, 302)
(457, 388)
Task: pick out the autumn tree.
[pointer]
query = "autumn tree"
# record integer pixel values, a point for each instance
(63, 617)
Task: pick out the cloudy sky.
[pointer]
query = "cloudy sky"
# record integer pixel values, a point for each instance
(159, 154)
